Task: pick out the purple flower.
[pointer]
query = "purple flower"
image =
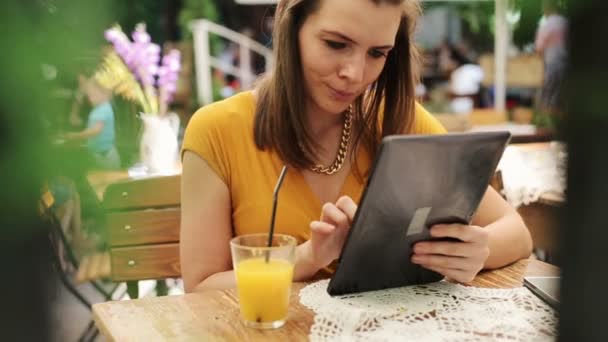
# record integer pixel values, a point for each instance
(112, 35)
(140, 36)
(168, 74)
(142, 57)
(119, 40)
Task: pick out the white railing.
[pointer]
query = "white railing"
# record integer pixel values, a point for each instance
(204, 61)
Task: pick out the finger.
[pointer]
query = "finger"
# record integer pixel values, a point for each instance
(332, 214)
(348, 206)
(322, 227)
(459, 249)
(458, 231)
(457, 275)
(432, 260)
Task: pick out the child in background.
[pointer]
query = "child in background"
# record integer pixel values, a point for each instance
(99, 133)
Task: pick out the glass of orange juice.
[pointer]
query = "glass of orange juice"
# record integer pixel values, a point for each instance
(263, 277)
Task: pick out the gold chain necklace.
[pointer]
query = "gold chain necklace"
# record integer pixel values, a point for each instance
(341, 155)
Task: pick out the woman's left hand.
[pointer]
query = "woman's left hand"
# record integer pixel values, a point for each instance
(458, 260)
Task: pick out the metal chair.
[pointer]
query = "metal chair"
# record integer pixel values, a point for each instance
(65, 263)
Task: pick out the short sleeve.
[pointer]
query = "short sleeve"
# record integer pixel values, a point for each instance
(205, 136)
(425, 123)
(99, 114)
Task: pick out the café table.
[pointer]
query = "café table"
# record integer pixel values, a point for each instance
(214, 315)
(99, 180)
(531, 167)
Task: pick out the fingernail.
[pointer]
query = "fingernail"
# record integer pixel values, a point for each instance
(419, 249)
(415, 259)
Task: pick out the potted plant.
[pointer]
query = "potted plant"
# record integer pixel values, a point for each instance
(134, 70)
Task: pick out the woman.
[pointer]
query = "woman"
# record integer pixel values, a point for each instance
(344, 76)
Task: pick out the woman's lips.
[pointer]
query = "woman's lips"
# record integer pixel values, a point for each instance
(342, 96)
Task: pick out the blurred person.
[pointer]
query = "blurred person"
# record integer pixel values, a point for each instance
(66, 207)
(451, 56)
(551, 44)
(99, 133)
(344, 76)
(231, 86)
(229, 57)
(465, 86)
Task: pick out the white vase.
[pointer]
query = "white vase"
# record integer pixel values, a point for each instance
(158, 148)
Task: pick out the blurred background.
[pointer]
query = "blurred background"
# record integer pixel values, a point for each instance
(485, 67)
(456, 38)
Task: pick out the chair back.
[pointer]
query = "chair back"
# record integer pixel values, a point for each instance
(143, 218)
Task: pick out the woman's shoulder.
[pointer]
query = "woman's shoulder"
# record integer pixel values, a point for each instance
(217, 130)
(222, 123)
(239, 108)
(425, 122)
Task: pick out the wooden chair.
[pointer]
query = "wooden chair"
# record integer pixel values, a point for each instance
(453, 122)
(486, 116)
(143, 219)
(525, 71)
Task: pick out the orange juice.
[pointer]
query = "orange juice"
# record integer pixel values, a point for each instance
(263, 289)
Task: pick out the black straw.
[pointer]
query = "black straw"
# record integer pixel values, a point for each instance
(275, 201)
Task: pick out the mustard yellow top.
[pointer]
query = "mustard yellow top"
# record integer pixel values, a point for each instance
(222, 135)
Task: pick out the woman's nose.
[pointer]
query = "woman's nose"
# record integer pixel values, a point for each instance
(353, 68)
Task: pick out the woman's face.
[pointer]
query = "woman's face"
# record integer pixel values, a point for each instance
(343, 49)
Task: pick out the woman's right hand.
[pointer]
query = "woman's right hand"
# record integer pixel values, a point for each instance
(329, 233)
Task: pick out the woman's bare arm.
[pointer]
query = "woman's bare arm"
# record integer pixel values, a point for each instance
(206, 230)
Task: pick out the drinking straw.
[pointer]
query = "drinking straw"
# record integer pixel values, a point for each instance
(274, 207)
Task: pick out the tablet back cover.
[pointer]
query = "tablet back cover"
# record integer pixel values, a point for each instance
(416, 182)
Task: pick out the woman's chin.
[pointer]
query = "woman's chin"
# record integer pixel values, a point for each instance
(336, 107)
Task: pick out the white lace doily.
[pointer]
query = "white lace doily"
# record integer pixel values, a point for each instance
(527, 174)
(435, 312)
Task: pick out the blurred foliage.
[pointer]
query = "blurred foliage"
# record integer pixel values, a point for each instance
(201, 9)
(45, 44)
(196, 9)
(524, 32)
(479, 19)
(128, 128)
(546, 120)
(152, 12)
(50, 43)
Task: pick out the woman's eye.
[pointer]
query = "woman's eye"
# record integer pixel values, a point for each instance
(335, 45)
(377, 54)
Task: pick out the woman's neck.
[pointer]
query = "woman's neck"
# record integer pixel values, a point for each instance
(323, 124)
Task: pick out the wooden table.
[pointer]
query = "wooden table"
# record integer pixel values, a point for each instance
(100, 180)
(214, 315)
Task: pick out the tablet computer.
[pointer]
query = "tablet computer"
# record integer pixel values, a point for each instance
(546, 288)
(416, 181)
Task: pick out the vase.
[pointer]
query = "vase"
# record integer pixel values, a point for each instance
(158, 147)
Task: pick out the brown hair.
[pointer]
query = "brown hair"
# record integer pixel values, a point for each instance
(279, 119)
